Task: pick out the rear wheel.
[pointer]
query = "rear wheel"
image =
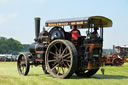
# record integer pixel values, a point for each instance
(23, 65)
(86, 73)
(61, 58)
(117, 62)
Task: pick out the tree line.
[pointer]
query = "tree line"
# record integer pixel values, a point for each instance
(11, 46)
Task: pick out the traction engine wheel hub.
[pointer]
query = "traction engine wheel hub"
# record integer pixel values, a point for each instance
(59, 59)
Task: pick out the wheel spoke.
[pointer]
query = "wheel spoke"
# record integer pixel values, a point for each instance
(58, 70)
(23, 62)
(54, 67)
(55, 46)
(56, 49)
(57, 52)
(64, 51)
(22, 58)
(20, 65)
(67, 64)
(54, 57)
(60, 49)
(62, 69)
(23, 69)
(66, 55)
(52, 53)
(55, 63)
(66, 60)
(51, 60)
(65, 68)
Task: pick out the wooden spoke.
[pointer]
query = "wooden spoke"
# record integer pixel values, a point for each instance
(66, 55)
(51, 60)
(23, 69)
(60, 49)
(64, 51)
(54, 67)
(22, 58)
(57, 50)
(58, 70)
(62, 69)
(23, 62)
(54, 57)
(65, 65)
(52, 53)
(68, 65)
(55, 46)
(66, 60)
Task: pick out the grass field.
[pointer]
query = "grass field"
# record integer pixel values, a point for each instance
(113, 76)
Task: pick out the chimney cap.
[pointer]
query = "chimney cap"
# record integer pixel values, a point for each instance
(37, 18)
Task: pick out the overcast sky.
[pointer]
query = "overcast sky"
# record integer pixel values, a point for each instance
(17, 17)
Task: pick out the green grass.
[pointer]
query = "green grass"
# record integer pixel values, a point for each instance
(113, 76)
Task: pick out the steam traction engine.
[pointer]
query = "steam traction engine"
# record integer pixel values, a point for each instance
(114, 60)
(59, 54)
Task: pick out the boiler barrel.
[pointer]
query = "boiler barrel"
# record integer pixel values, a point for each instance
(32, 48)
(37, 48)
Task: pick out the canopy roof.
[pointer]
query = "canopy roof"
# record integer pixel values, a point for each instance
(122, 47)
(83, 22)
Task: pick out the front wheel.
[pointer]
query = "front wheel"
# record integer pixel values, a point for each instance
(23, 65)
(61, 58)
(117, 62)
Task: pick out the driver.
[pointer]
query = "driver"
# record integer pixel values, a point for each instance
(94, 34)
(75, 33)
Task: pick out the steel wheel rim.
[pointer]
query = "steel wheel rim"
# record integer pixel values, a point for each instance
(22, 65)
(117, 62)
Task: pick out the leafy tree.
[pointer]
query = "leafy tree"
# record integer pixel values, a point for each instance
(9, 46)
(25, 48)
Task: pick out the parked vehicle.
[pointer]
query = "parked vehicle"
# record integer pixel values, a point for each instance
(114, 60)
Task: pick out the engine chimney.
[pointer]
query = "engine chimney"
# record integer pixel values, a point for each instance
(37, 28)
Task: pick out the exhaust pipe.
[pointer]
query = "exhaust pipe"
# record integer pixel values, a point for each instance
(37, 28)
